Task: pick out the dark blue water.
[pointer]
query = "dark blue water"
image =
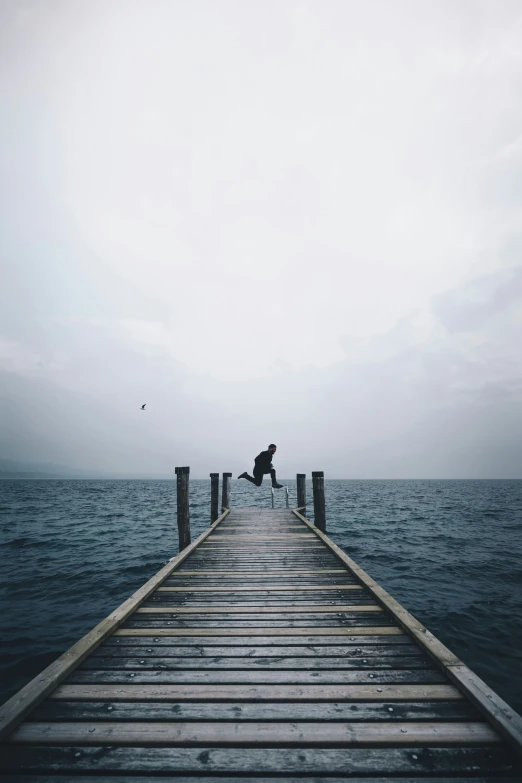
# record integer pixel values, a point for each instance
(449, 551)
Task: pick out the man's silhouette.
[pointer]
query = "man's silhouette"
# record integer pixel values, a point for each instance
(263, 464)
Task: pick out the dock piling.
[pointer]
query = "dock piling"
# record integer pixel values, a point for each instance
(319, 503)
(301, 492)
(214, 496)
(183, 507)
(225, 498)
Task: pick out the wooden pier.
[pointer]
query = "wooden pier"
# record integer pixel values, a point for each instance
(261, 651)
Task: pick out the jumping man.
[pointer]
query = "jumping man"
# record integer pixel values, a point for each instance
(263, 464)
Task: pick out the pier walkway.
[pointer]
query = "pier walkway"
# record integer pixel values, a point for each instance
(260, 652)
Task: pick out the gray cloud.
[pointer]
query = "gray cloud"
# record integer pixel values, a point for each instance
(469, 306)
(295, 223)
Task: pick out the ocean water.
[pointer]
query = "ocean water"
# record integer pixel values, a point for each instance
(449, 551)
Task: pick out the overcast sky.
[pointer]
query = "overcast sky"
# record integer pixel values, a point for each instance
(291, 221)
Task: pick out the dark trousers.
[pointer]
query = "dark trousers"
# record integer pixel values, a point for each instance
(258, 477)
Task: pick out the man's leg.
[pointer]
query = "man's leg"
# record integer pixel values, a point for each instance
(274, 480)
(257, 479)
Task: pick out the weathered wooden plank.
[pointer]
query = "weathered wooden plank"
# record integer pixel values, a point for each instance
(300, 547)
(238, 589)
(212, 560)
(269, 604)
(301, 761)
(262, 677)
(290, 711)
(263, 565)
(228, 631)
(275, 561)
(259, 560)
(16, 708)
(253, 663)
(261, 584)
(250, 550)
(294, 551)
(265, 530)
(301, 574)
(251, 607)
(283, 599)
(351, 620)
(257, 602)
(294, 554)
(305, 591)
(268, 537)
(261, 610)
(272, 603)
(236, 593)
(251, 546)
(276, 734)
(199, 779)
(267, 642)
(291, 579)
(256, 693)
(316, 556)
(269, 561)
(255, 564)
(258, 581)
(252, 610)
(242, 574)
(350, 650)
(153, 625)
(292, 542)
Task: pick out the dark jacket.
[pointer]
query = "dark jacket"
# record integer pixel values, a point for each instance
(263, 462)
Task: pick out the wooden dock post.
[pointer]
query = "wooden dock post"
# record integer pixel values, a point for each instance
(301, 492)
(214, 497)
(319, 504)
(225, 498)
(183, 507)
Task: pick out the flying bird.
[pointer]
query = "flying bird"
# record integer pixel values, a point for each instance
(143, 407)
